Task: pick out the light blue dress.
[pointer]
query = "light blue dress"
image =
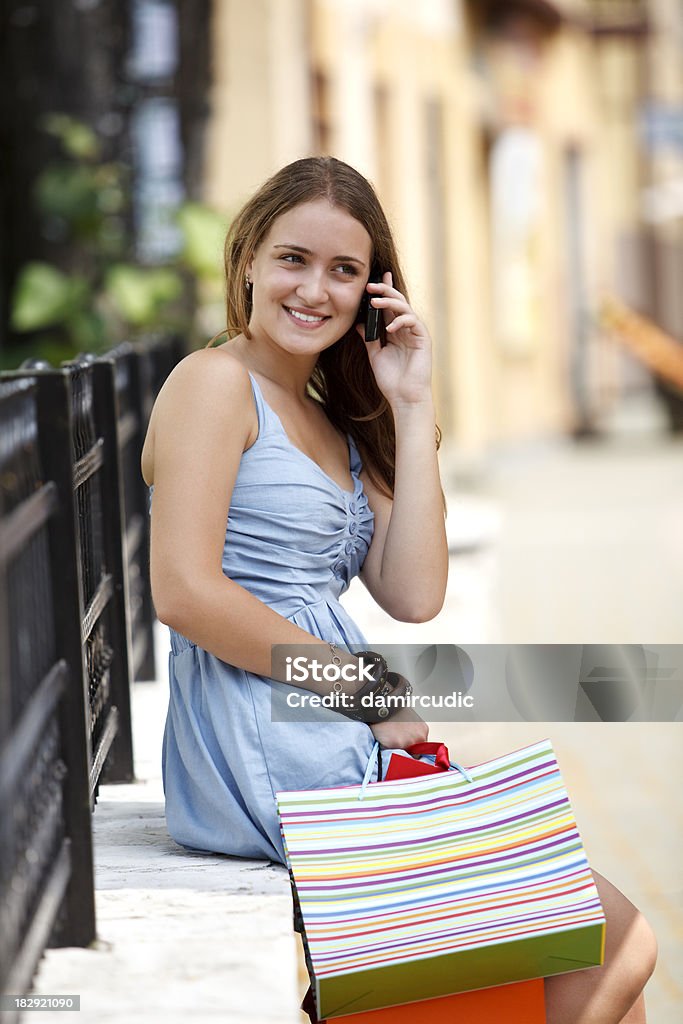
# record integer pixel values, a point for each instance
(294, 539)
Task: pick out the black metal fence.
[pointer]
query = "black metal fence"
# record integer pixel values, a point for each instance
(138, 376)
(46, 877)
(75, 618)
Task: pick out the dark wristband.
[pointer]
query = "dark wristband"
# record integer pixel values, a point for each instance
(384, 684)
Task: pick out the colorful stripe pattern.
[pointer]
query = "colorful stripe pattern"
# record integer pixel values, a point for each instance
(473, 873)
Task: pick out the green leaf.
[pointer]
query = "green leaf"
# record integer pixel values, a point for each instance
(77, 139)
(70, 192)
(203, 231)
(110, 238)
(166, 284)
(139, 292)
(44, 295)
(128, 289)
(86, 330)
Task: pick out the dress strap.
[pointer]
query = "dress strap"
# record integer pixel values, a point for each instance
(355, 461)
(260, 403)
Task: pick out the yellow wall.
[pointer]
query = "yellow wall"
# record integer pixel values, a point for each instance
(260, 99)
(380, 64)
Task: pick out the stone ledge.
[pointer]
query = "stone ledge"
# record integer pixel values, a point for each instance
(181, 935)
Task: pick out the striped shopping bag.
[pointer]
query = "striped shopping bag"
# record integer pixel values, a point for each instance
(423, 887)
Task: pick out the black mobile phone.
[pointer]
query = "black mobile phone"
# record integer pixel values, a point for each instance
(368, 313)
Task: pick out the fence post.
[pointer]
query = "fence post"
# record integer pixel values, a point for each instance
(132, 423)
(77, 926)
(119, 768)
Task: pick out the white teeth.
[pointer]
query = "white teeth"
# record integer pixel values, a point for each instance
(303, 316)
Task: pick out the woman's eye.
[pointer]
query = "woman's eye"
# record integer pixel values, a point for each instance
(295, 257)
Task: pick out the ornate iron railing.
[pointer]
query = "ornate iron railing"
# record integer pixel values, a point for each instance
(75, 615)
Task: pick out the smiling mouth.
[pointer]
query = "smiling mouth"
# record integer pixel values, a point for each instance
(305, 318)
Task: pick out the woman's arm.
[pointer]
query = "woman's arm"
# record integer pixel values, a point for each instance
(406, 568)
(203, 419)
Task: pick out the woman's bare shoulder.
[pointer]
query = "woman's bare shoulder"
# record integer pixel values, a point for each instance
(210, 371)
(208, 393)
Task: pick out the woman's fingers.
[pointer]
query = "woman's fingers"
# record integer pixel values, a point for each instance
(392, 308)
(404, 320)
(398, 311)
(400, 314)
(388, 296)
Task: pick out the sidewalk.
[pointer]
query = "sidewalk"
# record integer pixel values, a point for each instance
(209, 938)
(580, 544)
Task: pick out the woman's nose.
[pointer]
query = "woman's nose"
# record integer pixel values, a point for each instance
(312, 290)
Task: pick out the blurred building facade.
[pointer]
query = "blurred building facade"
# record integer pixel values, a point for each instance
(529, 156)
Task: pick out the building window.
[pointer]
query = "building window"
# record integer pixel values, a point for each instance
(155, 125)
(515, 181)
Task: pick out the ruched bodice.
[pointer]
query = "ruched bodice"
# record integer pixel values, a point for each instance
(294, 536)
(295, 539)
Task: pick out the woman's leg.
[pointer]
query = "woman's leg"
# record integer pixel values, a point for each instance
(610, 994)
(636, 1015)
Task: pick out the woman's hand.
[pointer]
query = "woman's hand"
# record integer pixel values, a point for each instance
(403, 368)
(401, 730)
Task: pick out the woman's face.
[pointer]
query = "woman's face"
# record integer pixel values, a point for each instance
(309, 276)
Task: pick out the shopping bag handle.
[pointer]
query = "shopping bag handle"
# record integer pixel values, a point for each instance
(441, 759)
(372, 761)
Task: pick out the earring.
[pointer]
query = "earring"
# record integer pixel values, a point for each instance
(247, 281)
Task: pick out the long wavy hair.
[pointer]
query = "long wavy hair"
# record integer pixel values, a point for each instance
(342, 380)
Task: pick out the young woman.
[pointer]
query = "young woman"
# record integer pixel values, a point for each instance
(284, 462)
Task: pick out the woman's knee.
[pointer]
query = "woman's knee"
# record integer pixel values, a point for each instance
(644, 944)
(631, 944)
(638, 959)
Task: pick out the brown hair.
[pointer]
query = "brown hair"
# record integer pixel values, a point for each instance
(342, 380)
